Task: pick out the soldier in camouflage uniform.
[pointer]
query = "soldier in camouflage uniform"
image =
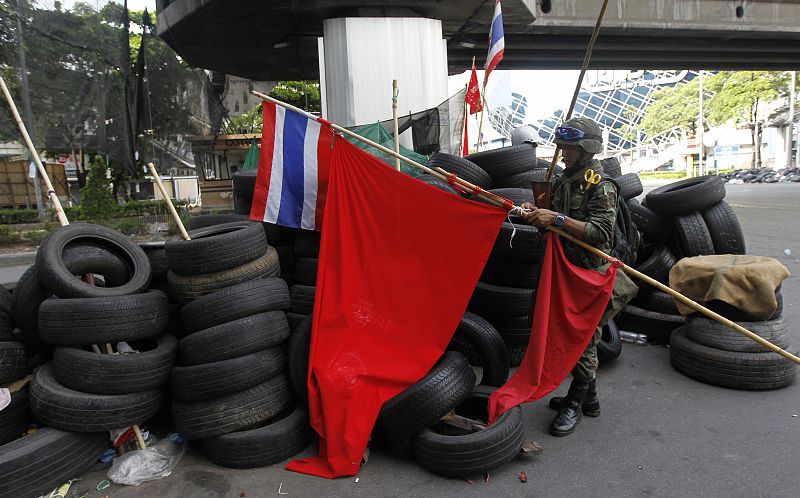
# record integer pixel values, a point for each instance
(587, 212)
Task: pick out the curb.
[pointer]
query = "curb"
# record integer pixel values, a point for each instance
(17, 259)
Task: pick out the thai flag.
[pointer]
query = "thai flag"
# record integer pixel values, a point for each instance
(293, 169)
(497, 42)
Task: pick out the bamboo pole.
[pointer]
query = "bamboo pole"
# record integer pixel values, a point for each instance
(51, 193)
(395, 92)
(167, 198)
(502, 202)
(139, 439)
(585, 65)
(480, 125)
(465, 131)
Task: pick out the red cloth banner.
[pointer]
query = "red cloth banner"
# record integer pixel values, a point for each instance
(398, 262)
(473, 96)
(569, 304)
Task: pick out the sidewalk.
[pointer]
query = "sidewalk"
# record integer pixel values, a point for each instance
(13, 265)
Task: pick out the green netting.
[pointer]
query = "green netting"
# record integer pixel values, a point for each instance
(376, 133)
(251, 161)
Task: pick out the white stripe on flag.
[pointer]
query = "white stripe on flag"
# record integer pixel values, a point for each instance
(495, 49)
(276, 178)
(310, 166)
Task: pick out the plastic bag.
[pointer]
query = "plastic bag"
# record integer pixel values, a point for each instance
(149, 464)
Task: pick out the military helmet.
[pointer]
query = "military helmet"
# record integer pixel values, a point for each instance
(582, 132)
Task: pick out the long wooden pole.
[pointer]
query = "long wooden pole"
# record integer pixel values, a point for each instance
(396, 128)
(480, 125)
(503, 203)
(62, 218)
(586, 58)
(165, 195)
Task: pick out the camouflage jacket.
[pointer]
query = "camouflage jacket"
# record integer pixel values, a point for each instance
(597, 206)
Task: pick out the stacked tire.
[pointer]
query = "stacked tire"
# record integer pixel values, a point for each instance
(81, 390)
(416, 413)
(505, 292)
(14, 366)
(87, 290)
(682, 219)
(232, 389)
(216, 257)
(713, 353)
(305, 255)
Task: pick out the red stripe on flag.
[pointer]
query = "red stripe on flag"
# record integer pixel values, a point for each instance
(324, 148)
(259, 205)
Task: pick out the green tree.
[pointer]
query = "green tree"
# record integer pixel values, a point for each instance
(249, 122)
(739, 97)
(97, 199)
(75, 59)
(671, 107)
(302, 94)
(736, 96)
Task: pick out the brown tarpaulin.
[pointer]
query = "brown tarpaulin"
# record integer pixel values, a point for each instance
(746, 282)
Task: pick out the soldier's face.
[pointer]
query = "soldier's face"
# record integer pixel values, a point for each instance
(571, 154)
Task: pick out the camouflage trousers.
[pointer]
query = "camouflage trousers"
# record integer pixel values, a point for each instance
(586, 368)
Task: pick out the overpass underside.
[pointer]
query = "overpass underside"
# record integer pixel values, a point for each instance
(277, 40)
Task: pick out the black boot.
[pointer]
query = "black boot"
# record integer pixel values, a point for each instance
(570, 414)
(590, 406)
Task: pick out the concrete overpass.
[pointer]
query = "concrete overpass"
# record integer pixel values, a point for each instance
(275, 40)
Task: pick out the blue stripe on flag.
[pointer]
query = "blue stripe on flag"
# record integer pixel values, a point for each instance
(497, 30)
(294, 131)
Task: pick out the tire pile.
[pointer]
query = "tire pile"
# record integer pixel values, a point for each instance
(762, 175)
(690, 218)
(232, 389)
(682, 219)
(81, 394)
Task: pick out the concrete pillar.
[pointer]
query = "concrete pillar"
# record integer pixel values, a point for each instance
(361, 56)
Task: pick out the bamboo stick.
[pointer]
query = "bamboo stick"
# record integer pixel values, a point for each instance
(585, 65)
(168, 200)
(51, 193)
(139, 439)
(501, 202)
(396, 128)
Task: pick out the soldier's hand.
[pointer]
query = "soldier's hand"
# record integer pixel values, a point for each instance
(528, 216)
(543, 218)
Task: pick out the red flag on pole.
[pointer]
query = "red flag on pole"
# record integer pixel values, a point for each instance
(389, 296)
(569, 304)
(473, 93)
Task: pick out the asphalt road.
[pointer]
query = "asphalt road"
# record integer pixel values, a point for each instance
(660, 433)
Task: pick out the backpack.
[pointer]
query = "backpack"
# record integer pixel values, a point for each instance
(626, 235)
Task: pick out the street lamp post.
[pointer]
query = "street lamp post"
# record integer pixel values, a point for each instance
(700, 132)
